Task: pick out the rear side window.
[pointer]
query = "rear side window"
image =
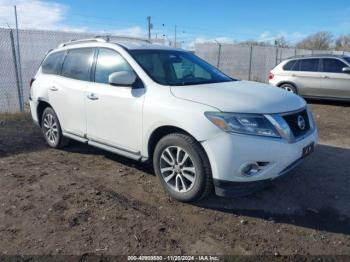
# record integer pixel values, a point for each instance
(331, 65)
(108, 62)
(77, 64)
(53, 63)
(308, 65)
(288, 66)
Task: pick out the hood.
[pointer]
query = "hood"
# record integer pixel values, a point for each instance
(241, 97)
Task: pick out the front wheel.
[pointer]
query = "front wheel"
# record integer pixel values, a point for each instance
(51, 129)
(182, 167)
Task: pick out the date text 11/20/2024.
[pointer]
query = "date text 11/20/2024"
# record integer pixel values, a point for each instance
(173, 258)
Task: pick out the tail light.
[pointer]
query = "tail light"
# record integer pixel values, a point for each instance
(271, 76)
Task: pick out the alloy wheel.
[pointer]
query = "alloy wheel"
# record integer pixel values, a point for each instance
(177, 169)
(288, 88)
(50, 128)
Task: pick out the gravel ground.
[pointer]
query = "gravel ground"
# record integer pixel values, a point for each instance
(83, 200)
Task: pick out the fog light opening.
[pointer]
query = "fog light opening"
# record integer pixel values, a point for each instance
(250, 169)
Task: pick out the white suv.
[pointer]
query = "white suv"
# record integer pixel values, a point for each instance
(199, 127)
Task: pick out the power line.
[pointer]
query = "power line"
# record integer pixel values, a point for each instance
(96, 23)
(96, 20)
(136, 22)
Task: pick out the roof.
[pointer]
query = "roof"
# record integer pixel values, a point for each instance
(131, 44)
(317, 56)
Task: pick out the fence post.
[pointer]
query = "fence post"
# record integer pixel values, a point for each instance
(281, 54)
(250, 61)
(276, 55)
(219, 54)
(20, 102)
(19, 65)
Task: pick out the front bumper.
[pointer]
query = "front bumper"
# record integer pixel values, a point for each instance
(227, 154)
(225, 188)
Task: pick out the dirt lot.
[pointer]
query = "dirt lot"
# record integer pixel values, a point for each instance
(82, 200)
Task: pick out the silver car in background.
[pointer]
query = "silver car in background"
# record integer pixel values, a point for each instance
(316, 76)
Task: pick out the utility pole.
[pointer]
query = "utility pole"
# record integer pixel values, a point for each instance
(175, 37)
(19, 64)
(150, 26)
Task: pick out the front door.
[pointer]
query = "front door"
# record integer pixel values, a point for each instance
(114, 113)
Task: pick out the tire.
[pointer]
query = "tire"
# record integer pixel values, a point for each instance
(290, 88)
(51, 128)
(182, 167)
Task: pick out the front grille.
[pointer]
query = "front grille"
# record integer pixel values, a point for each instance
(292, 121)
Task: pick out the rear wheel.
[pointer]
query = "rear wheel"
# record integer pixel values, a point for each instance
(289, 87)
(51, 129)
(182, 167)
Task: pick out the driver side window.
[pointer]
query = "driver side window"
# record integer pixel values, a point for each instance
(108, 62)
(331, 65)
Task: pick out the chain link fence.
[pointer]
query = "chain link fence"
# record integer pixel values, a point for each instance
(250, 62)
(238, 61)
(34, 44)
(9, 97)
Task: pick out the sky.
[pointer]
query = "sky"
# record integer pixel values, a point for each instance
(195, 20)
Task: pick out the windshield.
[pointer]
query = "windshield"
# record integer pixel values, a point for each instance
(177, 68)
(347, 59)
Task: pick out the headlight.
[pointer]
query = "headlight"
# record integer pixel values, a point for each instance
(251, 124)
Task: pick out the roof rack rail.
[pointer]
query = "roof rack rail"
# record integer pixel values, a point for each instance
(315, 55)
(87, 40)
(123, 39)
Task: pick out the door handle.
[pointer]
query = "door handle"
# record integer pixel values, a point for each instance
(53, 88)
(92, 96)
(294, 75)
(326, 77)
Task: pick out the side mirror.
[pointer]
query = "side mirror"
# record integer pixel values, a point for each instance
(122, 78)
(346, 70)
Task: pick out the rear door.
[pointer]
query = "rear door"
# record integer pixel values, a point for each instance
(335, 83)
(67, 93)
(307, 76)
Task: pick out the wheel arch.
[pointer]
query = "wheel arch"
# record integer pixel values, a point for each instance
(290, 83)
(162, 131)
(42, 104)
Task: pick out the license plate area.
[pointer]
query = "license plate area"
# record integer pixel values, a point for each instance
(308, 150)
